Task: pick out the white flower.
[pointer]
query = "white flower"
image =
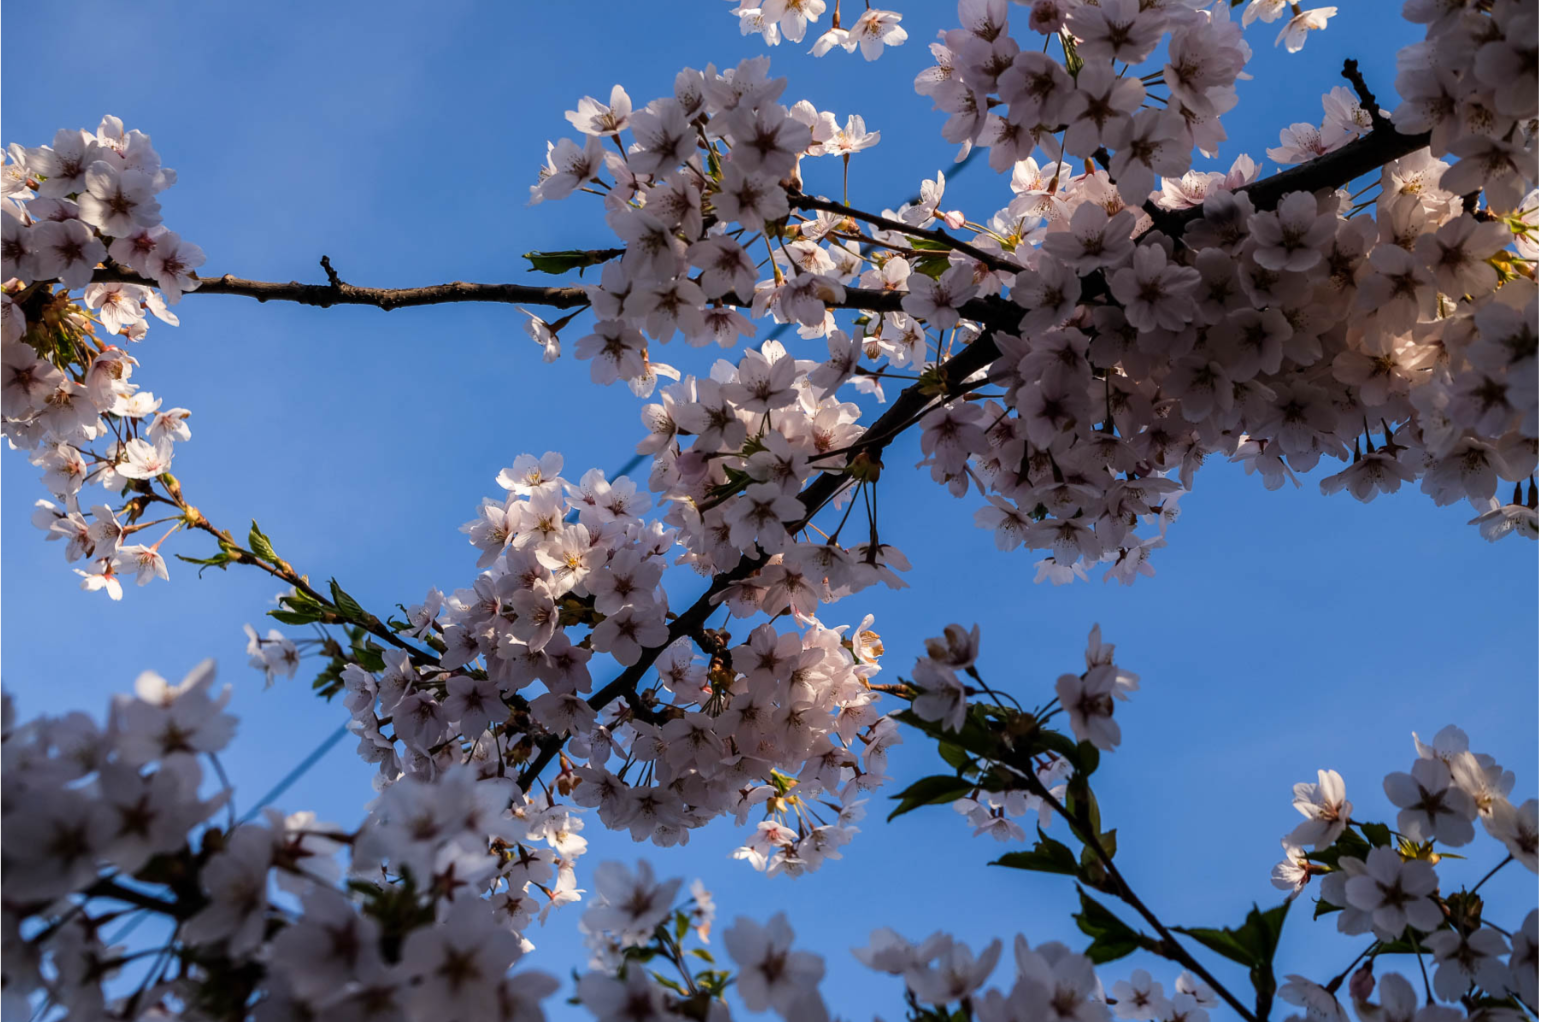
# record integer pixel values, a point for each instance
(236, 882)
(941, 695)
(771, 974)
(629, 906)
(596, 119)
(1464, 958)
(117, 201)
(1325, 808)
(1396, 892)
(938, 301)
(949, 971)
(1139, 997)
(1293, 872)
(1293, 35)
(1516, 827)
(1319, 1003)
(1432, 808)
(1088, 700)
(459, 965)
(331, 946)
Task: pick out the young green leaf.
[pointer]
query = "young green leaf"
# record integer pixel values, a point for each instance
(572, 259)
(1048, 856)
(260, 544)
(1111, 937)
(933, 790)
(347, 604)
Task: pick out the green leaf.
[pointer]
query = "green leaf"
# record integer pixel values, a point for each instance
(571, 259)
(1086, 760)
(1073, 60)
(1252, 944)
(1111, 937)
(953, 755)
(347, 604)
(976, 736)
(367, 655)
(290, 617)
(260, 545)
(1082, 804)
(703, 954)
(934, 790)
(1225, 943)
(1045, 740)
(1378, 834)
(219, 560)
(933, 266)
(1349, 843)
(303, 602)
(1324, 908)
(1401, 947)
(1048, 856)
(928, 245)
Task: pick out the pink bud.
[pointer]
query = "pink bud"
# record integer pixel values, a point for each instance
(1362, 983)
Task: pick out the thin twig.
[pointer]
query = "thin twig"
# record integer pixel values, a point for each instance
(1127, 894)
(938, 235)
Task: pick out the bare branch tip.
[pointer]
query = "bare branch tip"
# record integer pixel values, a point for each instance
(1351, 72)
(332, 278)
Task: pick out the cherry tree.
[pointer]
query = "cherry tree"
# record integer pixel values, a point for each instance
(1068, 361)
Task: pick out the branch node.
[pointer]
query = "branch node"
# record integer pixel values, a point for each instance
(332, 278)
(1367, 98)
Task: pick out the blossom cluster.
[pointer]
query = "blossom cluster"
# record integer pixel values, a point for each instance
(1376, 879)
(1383, 881)
(1274, 337)
(1073, 358)
(781, 723)
(775, 20)
(1438, 799)
(1154, 317)
(100, 815)
(88, 199)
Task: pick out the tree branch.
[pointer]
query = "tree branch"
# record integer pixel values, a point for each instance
(326, 295)
(386, 298)
(1334, 169)
(1377, 148)
(941, 237)
(1127, 893)
(282, 570)
(109, 887)
(1363, 92)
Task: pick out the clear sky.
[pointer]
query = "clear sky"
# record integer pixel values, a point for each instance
(1284, 631)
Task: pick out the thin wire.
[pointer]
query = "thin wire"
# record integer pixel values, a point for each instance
(299, 771)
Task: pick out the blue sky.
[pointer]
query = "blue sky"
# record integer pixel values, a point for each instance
(1284, 631)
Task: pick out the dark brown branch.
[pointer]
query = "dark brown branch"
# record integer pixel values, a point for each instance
(387, 298)
(1170, 947)
(1332, 170)
(108, 887)
(325, 295)
(1365, 95)
(1369, 152)
(893, 422)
